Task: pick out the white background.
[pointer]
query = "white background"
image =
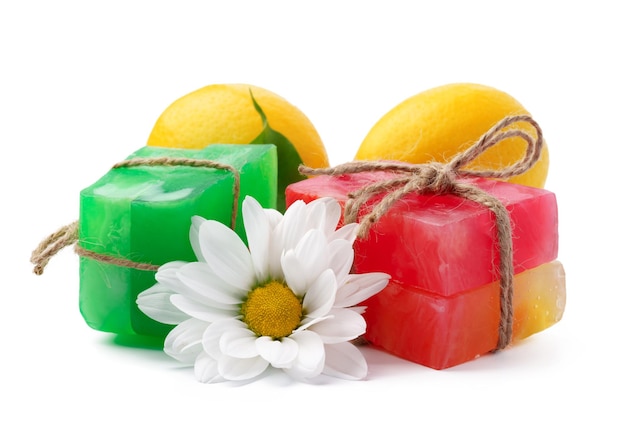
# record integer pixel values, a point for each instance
(82, 83)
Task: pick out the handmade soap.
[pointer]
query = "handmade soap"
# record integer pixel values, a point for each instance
(441, 332)
(143, 214)
(443, 243)
(442, 305)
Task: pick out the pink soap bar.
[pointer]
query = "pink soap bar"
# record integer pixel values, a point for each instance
(442, 243)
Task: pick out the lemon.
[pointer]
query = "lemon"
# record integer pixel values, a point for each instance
(225, 113)
(436, 124)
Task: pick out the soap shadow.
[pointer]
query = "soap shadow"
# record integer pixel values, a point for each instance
(526, 354)
(382, 364)
(136, 341)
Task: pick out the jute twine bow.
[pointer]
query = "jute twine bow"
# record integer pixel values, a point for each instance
(442, 178)
(68, 235)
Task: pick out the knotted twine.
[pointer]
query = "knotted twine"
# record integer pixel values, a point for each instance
(68, 235)
(440, 178)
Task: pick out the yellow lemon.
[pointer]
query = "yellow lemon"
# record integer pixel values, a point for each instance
(438, 123)
(225, 114)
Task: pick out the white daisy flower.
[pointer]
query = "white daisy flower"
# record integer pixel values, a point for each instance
(285, 301)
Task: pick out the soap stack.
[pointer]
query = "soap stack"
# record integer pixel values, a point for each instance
(442, 305)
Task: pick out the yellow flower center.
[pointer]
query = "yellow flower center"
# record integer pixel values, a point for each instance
(272, 310)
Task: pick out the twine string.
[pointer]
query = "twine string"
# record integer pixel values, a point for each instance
(206, 163)
(440, 178)
(68, 235)
(52, 244)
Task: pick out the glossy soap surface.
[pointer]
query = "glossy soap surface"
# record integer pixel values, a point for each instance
(442, 305)
(144, 214)
(443, 243)
(441, 332)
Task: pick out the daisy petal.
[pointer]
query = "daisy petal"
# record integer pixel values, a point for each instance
(280, 353)
(310, 360)
(205, 369)
(312, 251)
(347, 232)
(358, 288)
(155, 303)
(258, 231)
(167, 275)
(173, 265)
(273, 217)
(241, 368)
(341, 257)
(315, 218)
(344, 360)
(358, 309)
(320, 297)
(295, 273)
(200, 278)
(292, 226)
(212, 334)
(226, 254)
(194, 236)
(238, 343)
(332, 214)
(345, 325)
(306, 262)
(306, 322)
(184, 342)
(200, 311)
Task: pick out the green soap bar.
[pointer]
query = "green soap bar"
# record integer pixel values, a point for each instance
(143, 214)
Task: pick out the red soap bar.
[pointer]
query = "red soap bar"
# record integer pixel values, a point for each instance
(442, 243)
(440, 332)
